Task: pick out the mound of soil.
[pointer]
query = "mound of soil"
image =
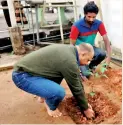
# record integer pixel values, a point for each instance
(115, 76)
(112, 83)
(102, 106)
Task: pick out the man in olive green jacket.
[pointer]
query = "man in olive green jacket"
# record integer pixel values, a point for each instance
(41, 72)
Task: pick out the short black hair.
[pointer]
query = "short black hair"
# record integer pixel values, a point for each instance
(91, 7)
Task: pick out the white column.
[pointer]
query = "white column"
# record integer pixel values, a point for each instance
(11, 12)
(61, 28)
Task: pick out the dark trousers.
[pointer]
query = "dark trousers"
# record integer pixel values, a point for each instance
(51, 91)
(99, 56)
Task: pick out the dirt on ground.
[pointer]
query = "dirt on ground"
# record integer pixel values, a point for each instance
(102, 106)
(19, 107)
(105, 96)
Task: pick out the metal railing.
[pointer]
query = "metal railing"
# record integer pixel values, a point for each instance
(32, 19)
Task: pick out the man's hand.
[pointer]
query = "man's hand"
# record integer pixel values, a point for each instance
(89, 113)
(89, 106)
(108, 48)
(107, 60)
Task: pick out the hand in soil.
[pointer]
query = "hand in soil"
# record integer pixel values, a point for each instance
(89, 106)
(55, 113)
(89, 113)
(107, 60)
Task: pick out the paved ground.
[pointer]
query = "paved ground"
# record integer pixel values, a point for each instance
(18, 107)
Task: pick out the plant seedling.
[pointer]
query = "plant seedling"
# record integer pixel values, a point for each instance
(92, 93)
(97, 75)
(101, 70)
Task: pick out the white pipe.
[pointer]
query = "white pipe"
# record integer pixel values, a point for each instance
(75, 10)
(60, 22)
(12, 12)
(101, 15)
(3, 7)
(4, 31)
(37, 24)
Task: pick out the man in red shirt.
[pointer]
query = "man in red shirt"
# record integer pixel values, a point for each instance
(85, 30)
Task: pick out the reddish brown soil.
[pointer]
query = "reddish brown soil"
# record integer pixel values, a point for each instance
(112, 83)
(101, 105)
(19, 107)
(106, 102)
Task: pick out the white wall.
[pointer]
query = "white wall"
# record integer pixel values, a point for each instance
(1, 12)
(80, 3)
(112, 17)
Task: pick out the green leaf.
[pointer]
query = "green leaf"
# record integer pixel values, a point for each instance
(96, 74)
(103, 70)
(92, 93)
(104, 64)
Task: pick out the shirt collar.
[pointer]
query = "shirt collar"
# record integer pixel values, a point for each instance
(77, 57)
(83, 22)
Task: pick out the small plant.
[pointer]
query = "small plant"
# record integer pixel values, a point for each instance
(97, 75)
(102, 68)
(92, 93)
(100, 71)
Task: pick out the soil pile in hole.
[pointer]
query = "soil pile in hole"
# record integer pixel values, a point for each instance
(103, 108)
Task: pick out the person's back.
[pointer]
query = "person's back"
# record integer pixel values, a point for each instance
(41, 72)
(48, 61)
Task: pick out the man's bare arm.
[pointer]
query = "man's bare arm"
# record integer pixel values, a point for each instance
(72, 41)
(108, 48)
